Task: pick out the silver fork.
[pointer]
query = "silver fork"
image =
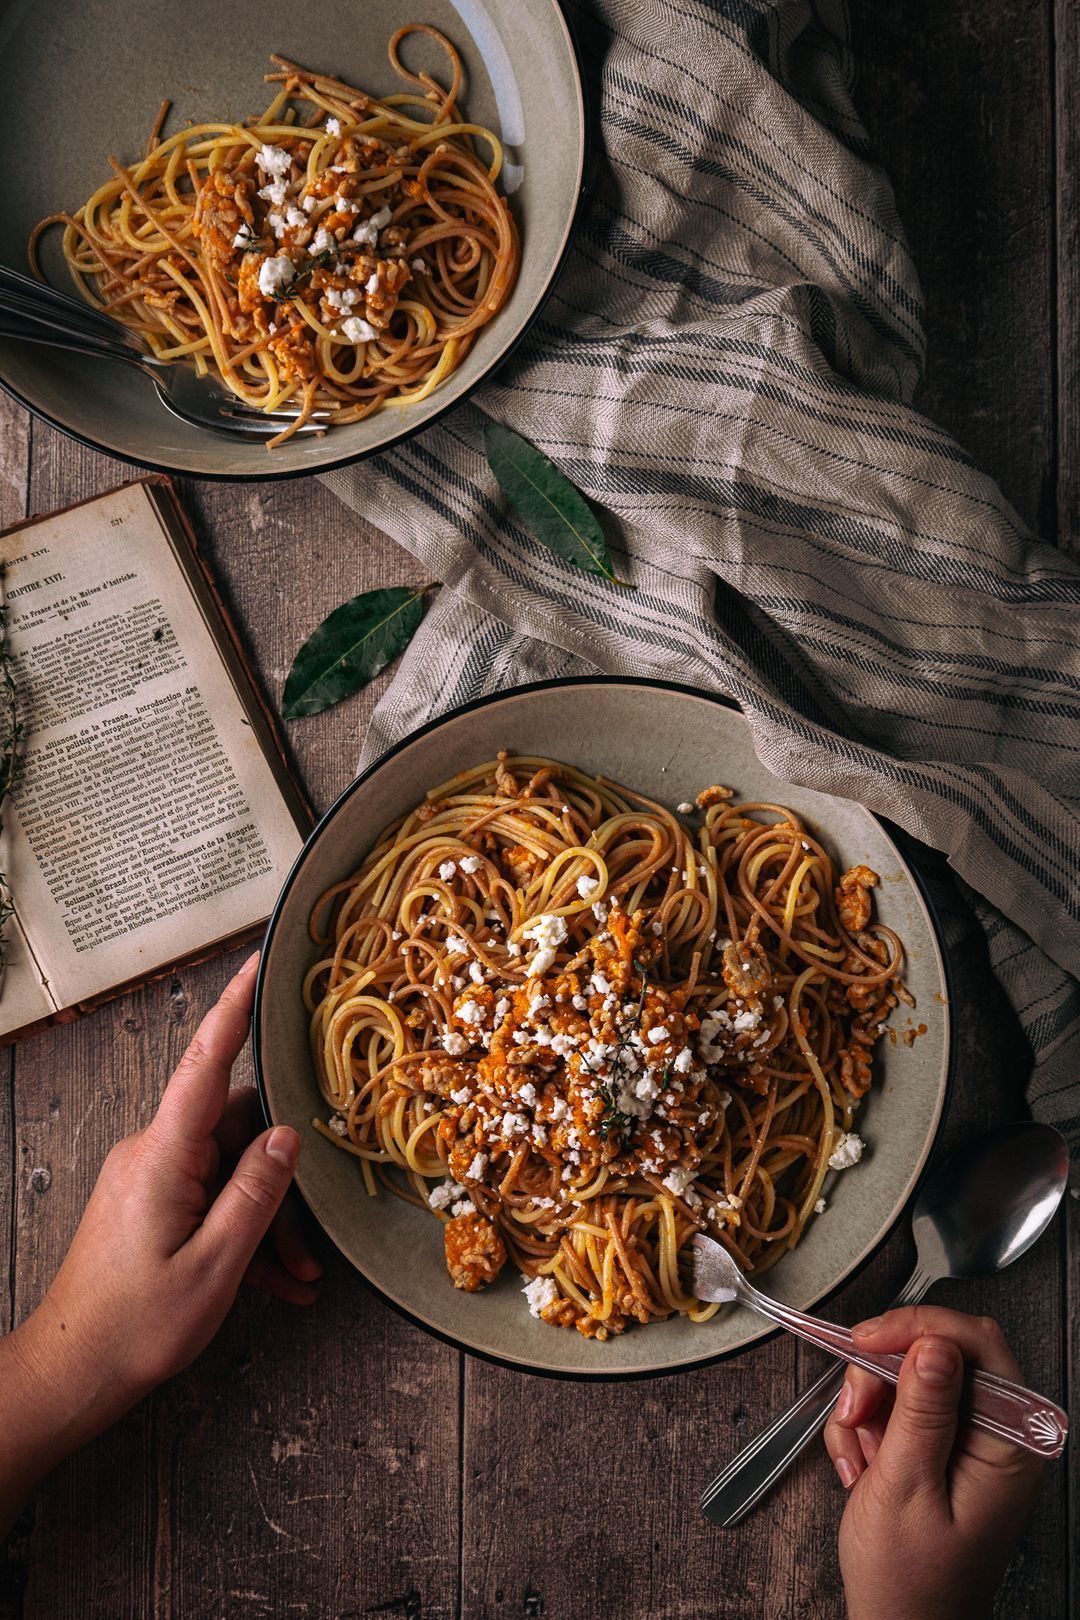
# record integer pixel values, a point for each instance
(995, 1404)
(33, 313)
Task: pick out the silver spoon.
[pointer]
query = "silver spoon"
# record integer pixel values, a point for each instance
(978, 1212)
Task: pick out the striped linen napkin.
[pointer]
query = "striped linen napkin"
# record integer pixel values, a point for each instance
(725, 367)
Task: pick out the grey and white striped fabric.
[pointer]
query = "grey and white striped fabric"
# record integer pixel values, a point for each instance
(725, 368)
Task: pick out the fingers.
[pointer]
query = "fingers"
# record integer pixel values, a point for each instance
(861, 1410)
(274, 1280)
(240, 1216)
(195, 1097)
(979, 1337)
(918, 1439)
(289, 1239)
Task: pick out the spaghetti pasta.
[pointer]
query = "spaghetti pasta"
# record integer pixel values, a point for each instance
(580, 1031)
(338, 252)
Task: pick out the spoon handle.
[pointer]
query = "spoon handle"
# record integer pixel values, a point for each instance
(753, 1471)
(995, 1404)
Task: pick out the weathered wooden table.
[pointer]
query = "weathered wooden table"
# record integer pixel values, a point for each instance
(338, 1462)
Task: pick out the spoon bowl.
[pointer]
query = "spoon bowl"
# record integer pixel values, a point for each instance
(988, 1202)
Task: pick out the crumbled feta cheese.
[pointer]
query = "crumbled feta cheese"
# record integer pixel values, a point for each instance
(357, 331)
(338, 1126)
(684, 1061)
(372, 285)
(454, 1042)
(587, 886)
(678, 1179)
(333, 126)
(470, 863)
(747, 1020)
(659, 1033)
(456, 946)
(547, 930)
(540, 1292)
(419, 268)
(461, 1097)
(685, 809)
(527, 1094)
(476, 973)
(563, 1045)
(580, 1003)
(502, 1007)
(513, 948)
(321, 242)
(342, 298)
(543, 960)
(274, 274)
(447, 870)
(478, 1166)
(244, 236)
(273, 160)
(848, 1151)
(309, 204)
(819, 1207)
(445, 1193)
(600, 985)
(513, 1124)
(559, 1109)
(471, 1012)
(367, 232)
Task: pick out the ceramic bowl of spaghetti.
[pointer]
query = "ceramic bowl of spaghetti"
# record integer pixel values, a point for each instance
(344, 226)
(569, 977)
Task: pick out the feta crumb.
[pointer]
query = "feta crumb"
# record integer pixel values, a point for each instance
(684, 1061)
(456, 946)
(309, 204)
(358, 331)
(513, 948)
(273, 160)
(513, 1124)
(477, 1168)
(685, 809)
(540, 1292)
(274, 274)
(848, 1151)
(658, 1033)
(333, 126)
(454, 1042)
(678, 1179)
(587, 886)
(471, 1012)
(321, 242)
(471, 863)
(476, 973)
(367, 232)
(559, 1108)
(747, 1020)
(447, 870)
(418, 267)
(338, 1126)
(342, 298)
(372, 285)
(461, 1097)
(527, 1094)
(819, 1207)
(445, 1193)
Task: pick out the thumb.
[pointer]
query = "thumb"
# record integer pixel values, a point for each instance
(240, 1215)
(919, 1436)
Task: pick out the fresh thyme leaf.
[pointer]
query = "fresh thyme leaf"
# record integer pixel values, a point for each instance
(547, 502)
(350, 647)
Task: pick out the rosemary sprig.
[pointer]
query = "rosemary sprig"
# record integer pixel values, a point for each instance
(11, 738)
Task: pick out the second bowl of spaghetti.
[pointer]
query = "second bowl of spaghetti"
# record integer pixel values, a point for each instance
(551, 1014)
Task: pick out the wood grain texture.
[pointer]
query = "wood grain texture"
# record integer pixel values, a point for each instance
(957, 96)
(1066, 22)
(339, 1463)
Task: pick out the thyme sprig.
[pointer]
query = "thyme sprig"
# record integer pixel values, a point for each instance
(613, 1122)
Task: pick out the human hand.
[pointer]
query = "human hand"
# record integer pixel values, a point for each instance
(935, 1510)
(175, 1223)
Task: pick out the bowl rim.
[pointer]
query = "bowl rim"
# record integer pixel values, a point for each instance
(271, 475)
(716, 1357)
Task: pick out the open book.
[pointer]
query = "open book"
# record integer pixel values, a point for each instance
(154, 818)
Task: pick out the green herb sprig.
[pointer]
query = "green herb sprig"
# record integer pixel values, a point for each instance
(11, 740)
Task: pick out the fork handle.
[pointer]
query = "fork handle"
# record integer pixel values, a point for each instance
(26, 329)
(753, 1471)
(991, 1403)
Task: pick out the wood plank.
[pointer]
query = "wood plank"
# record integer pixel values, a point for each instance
(1066, 15)
(957, 101)
(581, 1499)
(287, 1470)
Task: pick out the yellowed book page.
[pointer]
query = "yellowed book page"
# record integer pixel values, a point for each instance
(147, 821)
(23, 997)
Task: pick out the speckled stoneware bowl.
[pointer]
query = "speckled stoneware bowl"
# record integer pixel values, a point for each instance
(81, 81)
(666, 742)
